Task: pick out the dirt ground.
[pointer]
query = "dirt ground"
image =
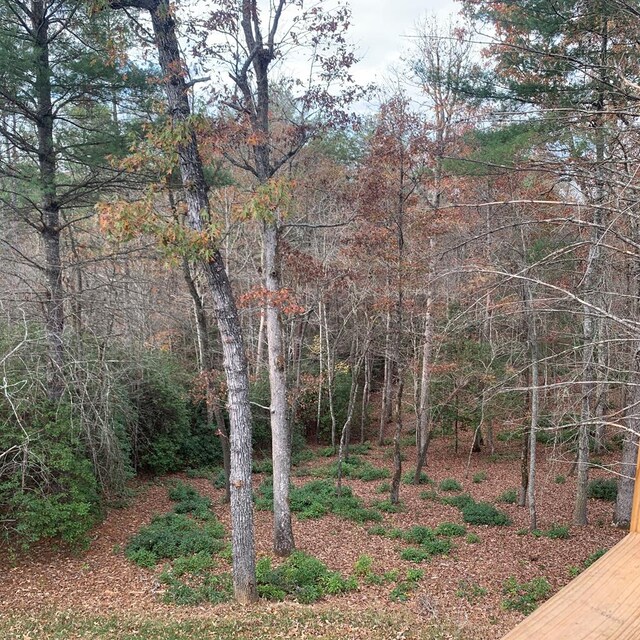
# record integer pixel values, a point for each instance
(100, 580)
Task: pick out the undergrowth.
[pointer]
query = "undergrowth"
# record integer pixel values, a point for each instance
(318, 498)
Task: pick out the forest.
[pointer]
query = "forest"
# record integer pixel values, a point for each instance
(287, 354)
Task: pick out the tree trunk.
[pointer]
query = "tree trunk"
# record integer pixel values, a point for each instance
(214, 411)
(631, 434)
(366, 391)
(235, 362)
(283, 543)
(532, 338)
(592, 292)
(50, 229)
(387, 386)
(626, 479)
(424, 411)
(397, 452)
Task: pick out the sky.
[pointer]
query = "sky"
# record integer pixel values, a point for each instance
(380, 27)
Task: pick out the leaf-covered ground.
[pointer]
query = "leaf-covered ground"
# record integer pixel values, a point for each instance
(97, 593)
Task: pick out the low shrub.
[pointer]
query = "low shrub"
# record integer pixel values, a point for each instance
(450, 484)
(302, 577)
(48, 488)
(510, 496)
(484, 513)
(426, 550)
(265, 465)
(377, 530)
(603, 489)
(387, 506)
(189, 500)
(418, 535)
(415, 554)
(318, 498)
(460, 501)
(596, 555)
(479, 477)
(472, 538)
(450, 529)
(355, 468)
(173, 535)
(360, 449)
(557, 532)
(409, 476)
(195, 588)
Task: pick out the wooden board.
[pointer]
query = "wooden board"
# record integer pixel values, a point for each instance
(602, 602)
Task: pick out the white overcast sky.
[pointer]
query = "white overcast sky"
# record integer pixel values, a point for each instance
(379, 29)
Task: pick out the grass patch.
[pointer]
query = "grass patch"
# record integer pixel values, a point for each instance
(253, 624)
(402, 591)
(470, 591)
(524, 597)
(479, 477)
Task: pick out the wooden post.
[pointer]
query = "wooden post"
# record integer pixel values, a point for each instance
(634, 527)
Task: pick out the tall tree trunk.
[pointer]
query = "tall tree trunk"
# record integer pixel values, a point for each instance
(626, 479)
(631, 434)
(283, 543)
(592, 288)
(397, 452)
(387, 385)
(320, 370)
(50, 229)
(424, 411)
(366, 391)
(235, 361)
(331, 376)
(214, 411)
(532, 339)
(260, 347)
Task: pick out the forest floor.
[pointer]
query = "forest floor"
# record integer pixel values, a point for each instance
(98, 593)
